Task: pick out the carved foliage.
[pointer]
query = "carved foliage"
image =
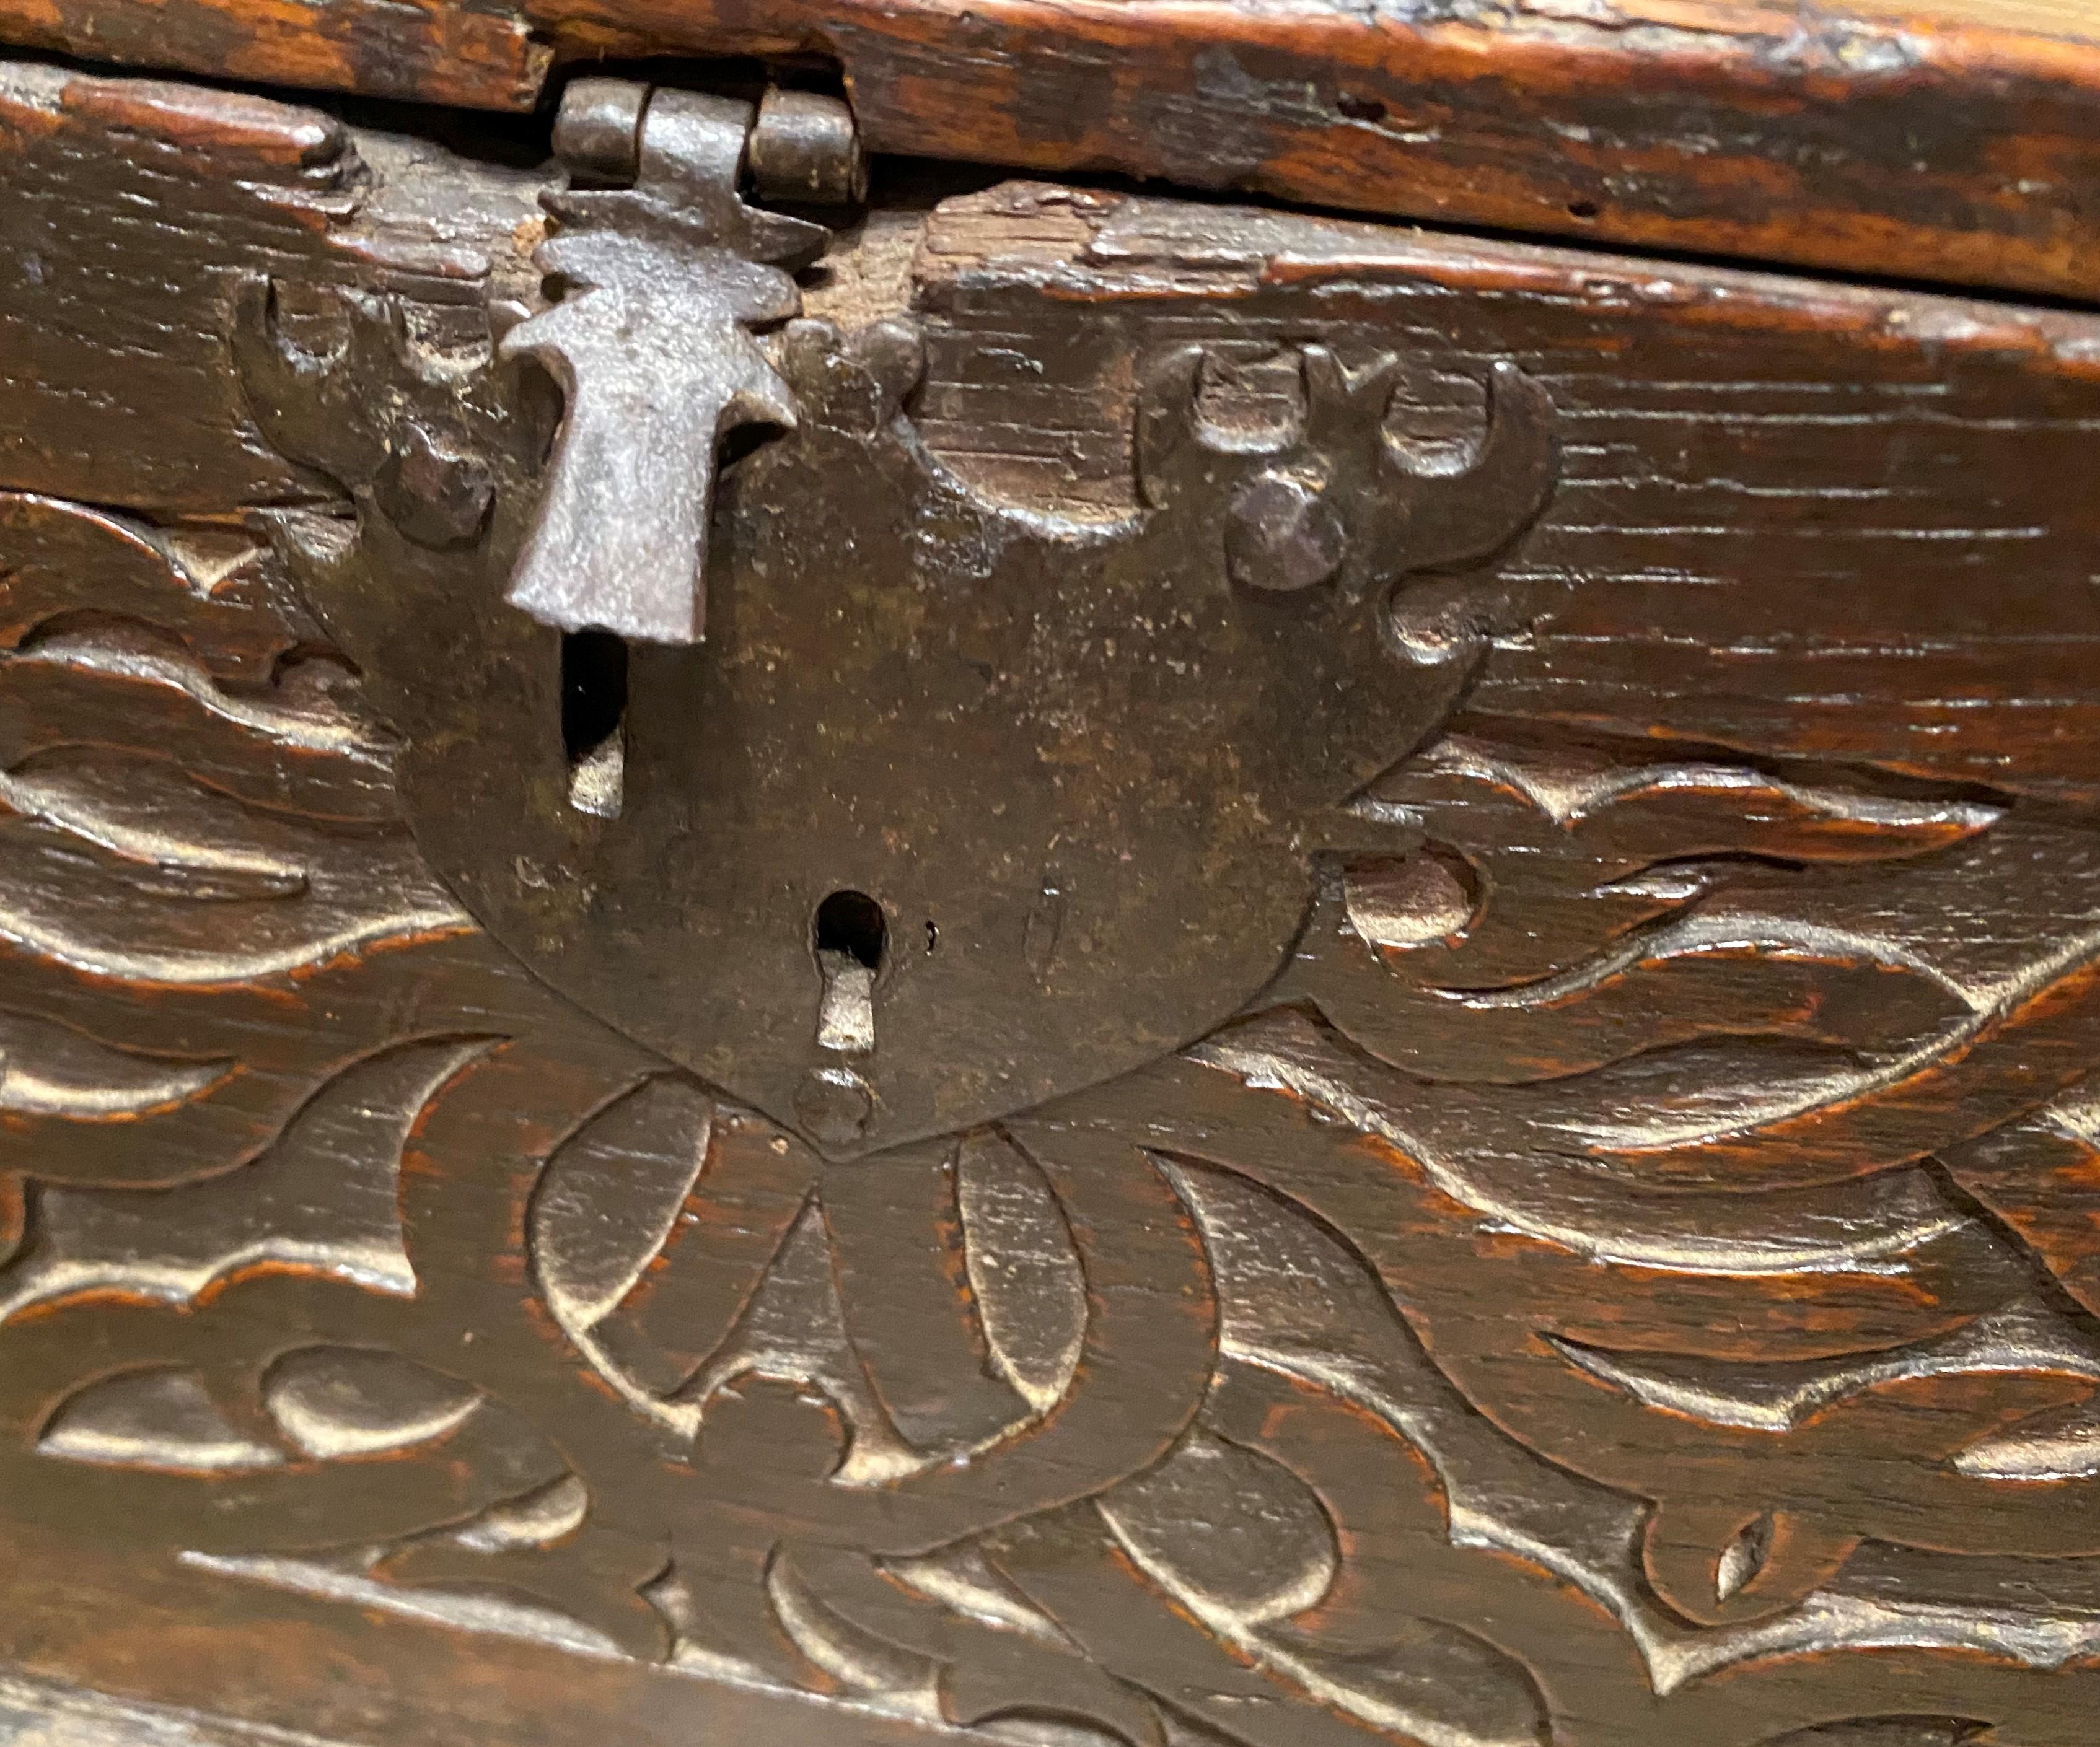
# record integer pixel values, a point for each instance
(1631, 1281)
(1587, 1296)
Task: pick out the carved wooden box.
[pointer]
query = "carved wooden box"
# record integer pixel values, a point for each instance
(1089, 875)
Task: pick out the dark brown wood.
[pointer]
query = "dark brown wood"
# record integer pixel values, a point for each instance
(1626, 1276)
(125, 202)
(1955, 140)
(432, 51)
(1843, 463)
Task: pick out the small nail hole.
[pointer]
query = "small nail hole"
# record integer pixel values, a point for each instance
(1358, 108)
(1584, 210)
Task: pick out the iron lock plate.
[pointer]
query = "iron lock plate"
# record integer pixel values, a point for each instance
(886, 807)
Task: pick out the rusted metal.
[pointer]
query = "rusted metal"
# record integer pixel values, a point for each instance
(663, 286)
(1353, 1000)
(597, 128)
(806, 150)
(981, 709)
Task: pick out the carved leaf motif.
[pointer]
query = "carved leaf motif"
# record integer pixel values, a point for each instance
(331, 1402)
(607, 1201)
(1508, 1337)
(1030, 1287)
(1233, 1528)
(49, 1069)
(2056, 1444)
(900, 1248)
(128, 867)
(859, 1660)
(320, 1196)
(1628, 905)
(151, 1419)
(68, 565)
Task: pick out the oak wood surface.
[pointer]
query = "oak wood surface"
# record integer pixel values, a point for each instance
(1629, 1280)
(1950, 141)
(123, 204)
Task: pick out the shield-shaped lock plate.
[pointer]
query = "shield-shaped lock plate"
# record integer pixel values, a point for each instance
(885, 808)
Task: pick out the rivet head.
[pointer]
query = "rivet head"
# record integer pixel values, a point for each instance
(1281, 536)
(834, 1105)
(436, 495)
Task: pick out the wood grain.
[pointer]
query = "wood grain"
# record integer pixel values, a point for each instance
(1627, 1280)
(1955, 143)
(483, 56)
(1830, 443)
(124, 201)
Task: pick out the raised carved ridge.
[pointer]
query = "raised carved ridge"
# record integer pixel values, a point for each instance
(1630, 1280)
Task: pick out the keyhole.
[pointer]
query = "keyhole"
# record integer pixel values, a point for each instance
(851, 937)
(594, 720)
